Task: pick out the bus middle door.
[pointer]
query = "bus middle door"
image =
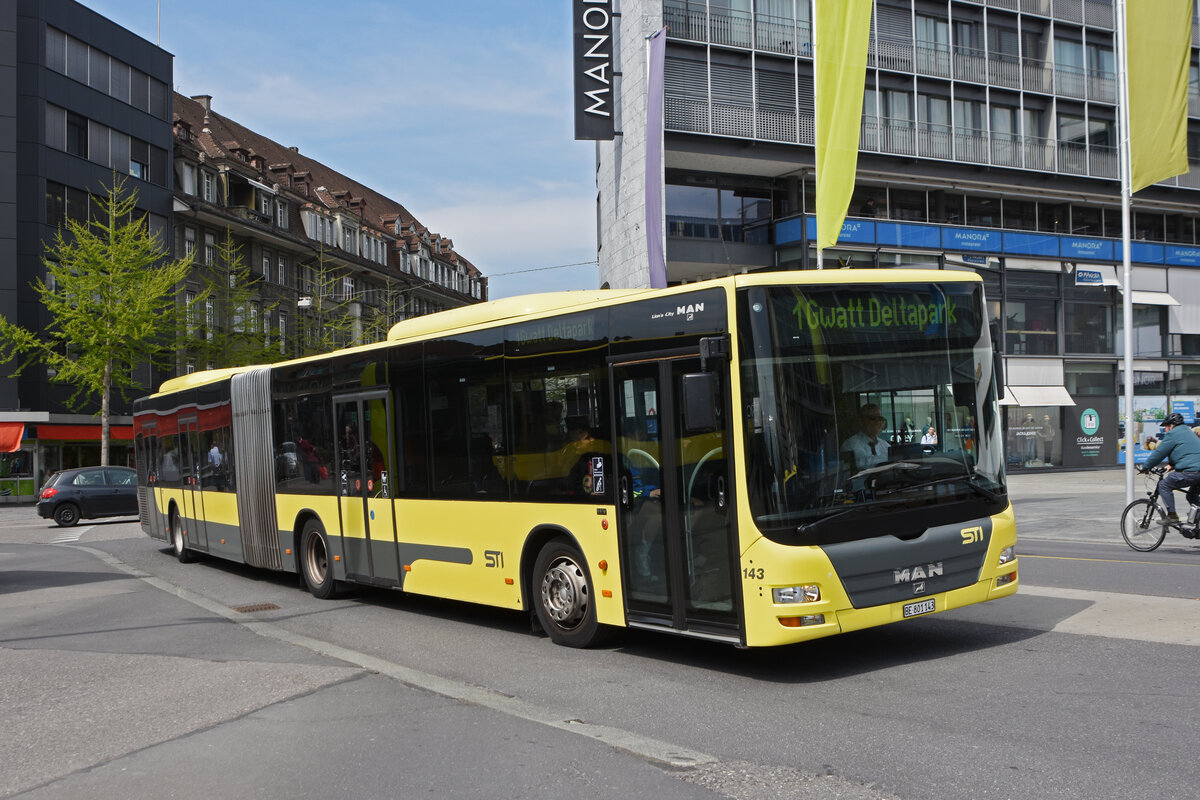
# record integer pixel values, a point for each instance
(365, 488)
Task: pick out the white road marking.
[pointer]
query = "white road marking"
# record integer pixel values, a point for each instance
(70, 535)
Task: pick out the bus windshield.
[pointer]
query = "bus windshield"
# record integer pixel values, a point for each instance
(868, 409)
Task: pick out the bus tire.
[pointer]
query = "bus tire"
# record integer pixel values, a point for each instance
(562, 595)
(178, 540)
(315, 565)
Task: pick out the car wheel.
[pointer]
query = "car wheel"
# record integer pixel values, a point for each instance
(66, 515)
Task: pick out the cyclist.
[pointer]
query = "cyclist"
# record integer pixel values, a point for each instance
(1181, 448)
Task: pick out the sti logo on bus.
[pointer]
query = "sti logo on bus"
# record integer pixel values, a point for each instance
(971, 535)
(917, 573)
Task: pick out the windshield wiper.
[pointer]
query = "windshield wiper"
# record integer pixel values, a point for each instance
(857, 507)
(970, 481)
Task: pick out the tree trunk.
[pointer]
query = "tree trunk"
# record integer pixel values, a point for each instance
(104, 402)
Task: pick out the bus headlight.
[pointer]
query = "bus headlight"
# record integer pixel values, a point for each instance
(809, 593)
(1008, 554)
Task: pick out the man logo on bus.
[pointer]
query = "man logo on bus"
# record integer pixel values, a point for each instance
(918, 573)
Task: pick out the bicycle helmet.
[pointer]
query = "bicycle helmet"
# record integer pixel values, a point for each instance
(1174, 419)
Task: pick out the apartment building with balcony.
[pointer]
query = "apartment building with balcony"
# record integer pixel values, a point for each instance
(313, 239)
(988, 142)
(80, 98)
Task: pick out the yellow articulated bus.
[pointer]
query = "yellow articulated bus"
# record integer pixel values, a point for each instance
(759, 459)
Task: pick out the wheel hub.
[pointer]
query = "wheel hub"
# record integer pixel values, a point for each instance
(564, 593)
(317, 562)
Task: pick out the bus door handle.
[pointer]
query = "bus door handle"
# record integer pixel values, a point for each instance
(721, 492)
(625, 491)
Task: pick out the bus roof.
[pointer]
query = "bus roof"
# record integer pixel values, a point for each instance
(201, 378)
(505, 308)
(508, 308)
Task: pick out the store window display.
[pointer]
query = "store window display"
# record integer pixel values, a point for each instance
(1034, 437)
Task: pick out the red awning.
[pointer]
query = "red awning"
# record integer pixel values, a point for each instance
(85, 433)
(11, 434)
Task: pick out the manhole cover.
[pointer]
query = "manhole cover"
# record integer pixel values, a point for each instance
(250, 609)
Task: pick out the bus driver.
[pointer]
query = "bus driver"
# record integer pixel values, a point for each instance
(866, 447)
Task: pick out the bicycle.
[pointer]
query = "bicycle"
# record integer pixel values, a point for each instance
(1144, 521)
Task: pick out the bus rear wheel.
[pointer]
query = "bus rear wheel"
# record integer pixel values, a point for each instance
(562, 591)
(315, 564)
(178, 543)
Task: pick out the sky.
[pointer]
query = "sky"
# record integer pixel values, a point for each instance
(460, 110)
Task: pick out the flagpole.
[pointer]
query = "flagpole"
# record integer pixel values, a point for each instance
(816, 114)
(1126, 165)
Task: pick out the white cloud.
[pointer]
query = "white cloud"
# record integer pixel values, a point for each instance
(509, 233)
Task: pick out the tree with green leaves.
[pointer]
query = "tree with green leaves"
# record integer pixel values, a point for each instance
(379, 319)
(233, 331)
(110, 285)
(328, 320)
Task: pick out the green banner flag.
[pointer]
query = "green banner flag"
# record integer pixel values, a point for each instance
(841, 31)
(1158, 35)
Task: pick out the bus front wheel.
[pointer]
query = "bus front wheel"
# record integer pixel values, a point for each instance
(562, 591)
(315, 563)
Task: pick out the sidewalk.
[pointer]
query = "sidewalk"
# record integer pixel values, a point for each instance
(1061, 504)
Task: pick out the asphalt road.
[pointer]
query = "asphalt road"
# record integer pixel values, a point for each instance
(130, 674)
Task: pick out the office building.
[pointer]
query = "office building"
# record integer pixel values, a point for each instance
(988, 142)
(80, 98)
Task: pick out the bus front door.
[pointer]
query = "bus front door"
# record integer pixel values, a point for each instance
(674, 497)
(365, 488)
(191, 459)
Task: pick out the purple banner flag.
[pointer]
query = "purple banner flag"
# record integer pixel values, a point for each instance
(654, 161)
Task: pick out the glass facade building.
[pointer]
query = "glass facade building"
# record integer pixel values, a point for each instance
(988, 142)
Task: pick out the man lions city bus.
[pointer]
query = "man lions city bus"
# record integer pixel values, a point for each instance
(759, 459)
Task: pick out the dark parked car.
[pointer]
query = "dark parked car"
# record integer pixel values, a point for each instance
(87, 493)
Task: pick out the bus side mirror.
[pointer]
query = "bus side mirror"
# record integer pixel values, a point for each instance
(997, 359)
(699, 403)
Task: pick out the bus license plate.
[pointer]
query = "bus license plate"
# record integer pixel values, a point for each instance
(921, 607)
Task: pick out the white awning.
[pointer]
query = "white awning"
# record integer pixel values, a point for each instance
(1029, 396)
(263, 186)
(1154, 298)
(1037, 264)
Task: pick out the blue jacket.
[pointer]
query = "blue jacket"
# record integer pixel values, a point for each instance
(1181, 446)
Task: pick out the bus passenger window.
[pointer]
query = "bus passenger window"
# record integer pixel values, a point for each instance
(558, 433)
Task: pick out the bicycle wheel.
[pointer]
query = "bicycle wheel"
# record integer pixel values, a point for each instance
(1142, 525)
